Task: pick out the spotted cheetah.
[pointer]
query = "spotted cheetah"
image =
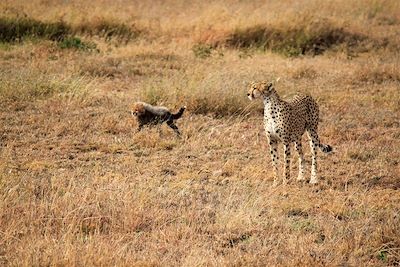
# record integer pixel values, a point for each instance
(286, 122)
(151, 115)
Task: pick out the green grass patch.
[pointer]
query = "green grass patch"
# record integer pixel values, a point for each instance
(5, 46)
(303, 225)
(202, 50)
(76, 43)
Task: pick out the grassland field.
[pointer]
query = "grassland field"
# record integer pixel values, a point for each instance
(80, 187)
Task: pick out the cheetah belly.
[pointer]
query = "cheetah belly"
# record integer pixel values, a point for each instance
(271, 129)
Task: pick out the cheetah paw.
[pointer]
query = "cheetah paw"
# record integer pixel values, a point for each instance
(300, 178)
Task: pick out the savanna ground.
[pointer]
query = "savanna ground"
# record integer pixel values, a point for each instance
(79, 187)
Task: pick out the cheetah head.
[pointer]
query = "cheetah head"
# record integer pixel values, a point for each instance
(259, 89)
(137, 109)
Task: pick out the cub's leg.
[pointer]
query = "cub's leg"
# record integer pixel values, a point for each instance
(174, 127)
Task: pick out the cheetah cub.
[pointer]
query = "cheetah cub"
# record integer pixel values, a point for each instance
(147, 114)
(286, 122)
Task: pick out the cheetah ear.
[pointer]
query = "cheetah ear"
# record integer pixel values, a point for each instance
(254, 83)
(267, 86)
(264, 86)
(273, 83)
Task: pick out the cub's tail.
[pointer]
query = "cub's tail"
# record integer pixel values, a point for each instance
(179, 114)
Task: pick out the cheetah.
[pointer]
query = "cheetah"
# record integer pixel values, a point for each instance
(286, 122)
(151, 115)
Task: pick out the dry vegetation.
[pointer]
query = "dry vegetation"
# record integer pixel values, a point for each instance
(78, 186)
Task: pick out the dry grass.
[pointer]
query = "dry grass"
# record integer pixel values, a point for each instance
(79, 187)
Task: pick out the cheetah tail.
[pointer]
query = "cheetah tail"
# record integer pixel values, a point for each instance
(179, 113)
(325, 148)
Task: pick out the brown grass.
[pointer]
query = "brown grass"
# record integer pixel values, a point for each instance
(79, 187)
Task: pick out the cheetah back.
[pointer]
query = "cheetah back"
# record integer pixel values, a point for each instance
(304, 115)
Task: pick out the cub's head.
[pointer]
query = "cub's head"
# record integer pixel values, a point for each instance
(137, 109)
(260, 89)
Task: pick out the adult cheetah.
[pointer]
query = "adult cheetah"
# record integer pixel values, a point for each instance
(286, 122)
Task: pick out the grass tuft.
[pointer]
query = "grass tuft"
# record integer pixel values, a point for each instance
(76, 43)
(307, 36)
(27, 85)
(108, 29)
(202, 50)
(218, 95)
(17, 29)
(378, 74)
(20, 28)
(312, 40)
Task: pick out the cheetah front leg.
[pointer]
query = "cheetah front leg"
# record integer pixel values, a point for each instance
(140, 127)
(286, 159)
(273, 146)
(302, 163)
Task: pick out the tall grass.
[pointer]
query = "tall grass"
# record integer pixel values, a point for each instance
(16, 29)
(309, 36)
(28, 85)
(19, 28)
(312, 40)
(218, 93)
(108, 29)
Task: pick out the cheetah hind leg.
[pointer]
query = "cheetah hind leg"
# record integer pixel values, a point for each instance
(286, 175)
(174, 127)
(314, 144)
(302, 162)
